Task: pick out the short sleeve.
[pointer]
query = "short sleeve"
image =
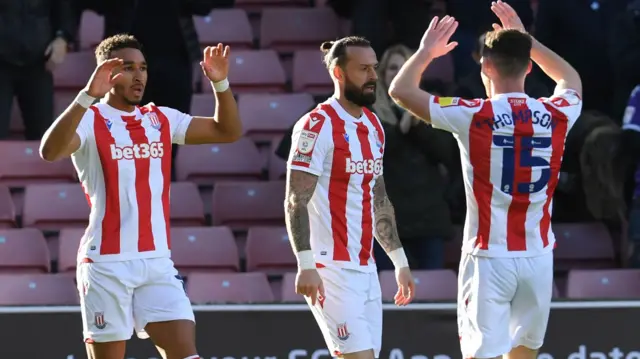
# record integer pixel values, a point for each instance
(568, 102)
(453, 114)
(310, 144)
(179, 123)
(631, 118)
(85, 129)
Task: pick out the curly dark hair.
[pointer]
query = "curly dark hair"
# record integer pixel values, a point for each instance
(114, 43)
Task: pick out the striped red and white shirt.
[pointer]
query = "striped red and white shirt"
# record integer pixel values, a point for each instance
(124, 165)
(346, 154)
(511, 148)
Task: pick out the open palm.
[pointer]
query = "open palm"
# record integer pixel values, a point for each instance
(215, 63)
(507, 15)
(436, 39)
(104, 78)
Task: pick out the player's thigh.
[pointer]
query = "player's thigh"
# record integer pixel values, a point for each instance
(532, 302)
(485, 289)
(373, 313)
(162, 310)
(341, 313)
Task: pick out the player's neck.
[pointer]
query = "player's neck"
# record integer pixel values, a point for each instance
(508, 86)
(119, 104)
(351, 108)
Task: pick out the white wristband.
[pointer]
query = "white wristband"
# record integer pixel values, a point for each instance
(399, 258)
(83, 99)
(306, 260)
(220, 86)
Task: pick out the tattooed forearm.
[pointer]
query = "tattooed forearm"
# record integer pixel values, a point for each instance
(385, 218)
(300, 188)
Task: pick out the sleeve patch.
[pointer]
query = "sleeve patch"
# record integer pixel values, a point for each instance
(307, 142)
(456, 101)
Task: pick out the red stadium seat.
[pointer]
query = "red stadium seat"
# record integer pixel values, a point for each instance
(244, 204)
(75, 71)
(21, 164)
(604, 284)
(431, 285)
(7, 208)
(228, 26)
(583, 245)
(277, 166)
(203, 104)
(69, 241)
(24, 250)
(51, 207)
(204, 249)
(310, 74)
(187, 208)
(266, 116)
(38, 289)
(91, 30)
(289, 294)
(257, 5)
(290, 29)
(204, 288)
(254, 71)
(268, 250)
(206, 164)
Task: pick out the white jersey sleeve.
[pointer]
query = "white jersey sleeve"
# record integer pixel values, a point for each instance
(568, 102)
(453, 114)
(311, 142)
(179, 123)
(85, 129)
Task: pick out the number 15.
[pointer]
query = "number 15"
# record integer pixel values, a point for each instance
(527, 160)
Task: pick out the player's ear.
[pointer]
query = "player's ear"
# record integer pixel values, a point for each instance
(529, 67)
(337, 73)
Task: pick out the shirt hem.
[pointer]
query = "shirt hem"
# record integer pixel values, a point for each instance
(124, 256)
(508, 254)
(369, 268)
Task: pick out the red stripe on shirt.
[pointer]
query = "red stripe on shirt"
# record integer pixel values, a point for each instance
(366, 240)
(480, 141)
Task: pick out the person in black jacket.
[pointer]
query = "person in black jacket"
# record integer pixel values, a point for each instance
(33, 39)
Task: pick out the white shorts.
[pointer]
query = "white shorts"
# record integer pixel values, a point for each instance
(503, 303)
(350, 314)
(118, 297)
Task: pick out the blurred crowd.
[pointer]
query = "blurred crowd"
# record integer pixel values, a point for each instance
(600, 38)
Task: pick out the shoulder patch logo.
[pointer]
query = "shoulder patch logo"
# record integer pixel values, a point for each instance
(306, 142)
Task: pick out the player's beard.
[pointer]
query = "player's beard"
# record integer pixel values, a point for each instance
(356, 94)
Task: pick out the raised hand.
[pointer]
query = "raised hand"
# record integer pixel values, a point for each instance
(507, 15)
(215, 63)
(103, 78)
(436, 39)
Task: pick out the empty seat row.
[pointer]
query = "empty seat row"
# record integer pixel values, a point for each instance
(236, 204)
(283, 29)
(212, 249)
(220, 288)
(251, 71)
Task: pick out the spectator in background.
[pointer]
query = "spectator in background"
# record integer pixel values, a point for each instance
(415, 185)
(625, 56)
(33, 39)
(169, 39)
(579, 31)
(631, 156)
(471, 85)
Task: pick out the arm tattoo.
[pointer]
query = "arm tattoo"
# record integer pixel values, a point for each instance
(385, 218)
(300, 189)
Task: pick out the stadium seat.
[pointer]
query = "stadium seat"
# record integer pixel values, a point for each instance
(244, 204)
(21, 164)
(38, 289)
(604, 284)
(91, 30)
(268, 250)
(583, 246)
(431, 285)
(7, 208)
(288, 288)
(219, 288)
(75, 71)
(277, 166)
(228, 26)
(68, 242)
(23, 250)
(309, 73)
(290, 29)
(257, 5)
(16, 125)
(204, 249)
(206, 164)
(187, 208)
(51, 207)
(254, 71)
(203, 104)
(62, 100)
(267, 116)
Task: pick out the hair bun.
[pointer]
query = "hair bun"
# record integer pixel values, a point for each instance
(326, 46)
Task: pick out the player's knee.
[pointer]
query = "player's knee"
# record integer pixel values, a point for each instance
(364, 354)
(106, 350)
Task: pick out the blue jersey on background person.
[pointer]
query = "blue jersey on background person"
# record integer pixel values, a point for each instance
(631, 125)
